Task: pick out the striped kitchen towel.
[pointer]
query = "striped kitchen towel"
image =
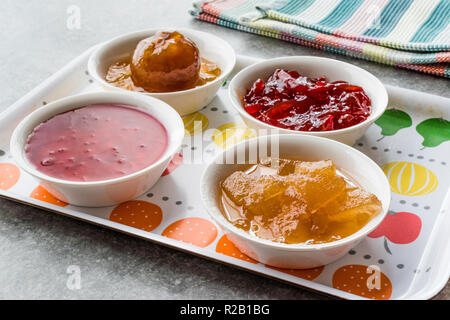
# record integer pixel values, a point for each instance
(410, 34)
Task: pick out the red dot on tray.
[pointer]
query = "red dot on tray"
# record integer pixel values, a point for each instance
(197, 231)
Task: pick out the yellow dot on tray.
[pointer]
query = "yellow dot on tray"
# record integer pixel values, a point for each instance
(195, 122)
(231, 133)
(410, 179)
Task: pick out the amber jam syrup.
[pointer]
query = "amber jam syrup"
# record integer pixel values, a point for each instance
(119, 75)
(334, 213)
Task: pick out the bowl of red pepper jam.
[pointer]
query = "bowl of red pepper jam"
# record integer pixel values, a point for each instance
(308, 95)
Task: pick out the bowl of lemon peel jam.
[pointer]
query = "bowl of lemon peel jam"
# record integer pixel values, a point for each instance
(303, 206)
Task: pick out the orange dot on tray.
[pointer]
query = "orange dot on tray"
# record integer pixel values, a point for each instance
(40, 193)
(138, 214)
(9, 175)
(307, 274)
(197, 231)
(226, 247)
(363, 281)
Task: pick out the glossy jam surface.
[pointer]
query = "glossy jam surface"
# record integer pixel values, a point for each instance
(294, 201)
(96, 142)
(165, 62)
(290, 101)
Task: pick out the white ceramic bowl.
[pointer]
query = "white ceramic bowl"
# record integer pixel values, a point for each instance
(104, 192)
(314, 67)
(187, 101)
(297, 256)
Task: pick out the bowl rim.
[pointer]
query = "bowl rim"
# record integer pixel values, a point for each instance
(337, 64)
(103, 47)
(216, 213)
(175, 136)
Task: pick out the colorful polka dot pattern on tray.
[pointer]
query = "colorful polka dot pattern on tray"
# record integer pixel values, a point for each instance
(434, 131)
(393, 120)
(231, 133)
(410, 179)
(9, 175)
(197, 231)
(226, 247)
(138, 214)
(40, 193)
(414, 157)
(363, 281)
(399, 227)
(195, 123)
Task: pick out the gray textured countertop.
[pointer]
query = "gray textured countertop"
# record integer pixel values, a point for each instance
(36, 247)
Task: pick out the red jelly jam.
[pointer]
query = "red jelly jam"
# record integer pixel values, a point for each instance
(291, 101)
(96, 142)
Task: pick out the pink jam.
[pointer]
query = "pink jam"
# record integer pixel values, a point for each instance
(96, 142)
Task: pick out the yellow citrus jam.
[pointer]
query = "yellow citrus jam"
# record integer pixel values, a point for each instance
(294, 201)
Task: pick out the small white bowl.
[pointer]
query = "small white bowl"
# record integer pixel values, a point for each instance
(296, 256)
(187, 101)
(104, 192)
(313, 67)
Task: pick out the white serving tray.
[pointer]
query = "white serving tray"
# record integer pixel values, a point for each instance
(417, 269)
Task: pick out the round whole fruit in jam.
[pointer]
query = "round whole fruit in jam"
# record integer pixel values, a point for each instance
(290, 101)
(165, 62)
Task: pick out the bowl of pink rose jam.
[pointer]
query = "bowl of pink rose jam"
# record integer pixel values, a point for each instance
(96, 142)
(98, 149)
(308, 95)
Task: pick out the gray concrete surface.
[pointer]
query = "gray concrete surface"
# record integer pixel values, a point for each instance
(36, 247)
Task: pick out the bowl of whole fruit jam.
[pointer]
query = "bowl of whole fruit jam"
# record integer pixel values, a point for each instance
(308, 95)
(295, 201)
(100, 148)
(182, 67)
